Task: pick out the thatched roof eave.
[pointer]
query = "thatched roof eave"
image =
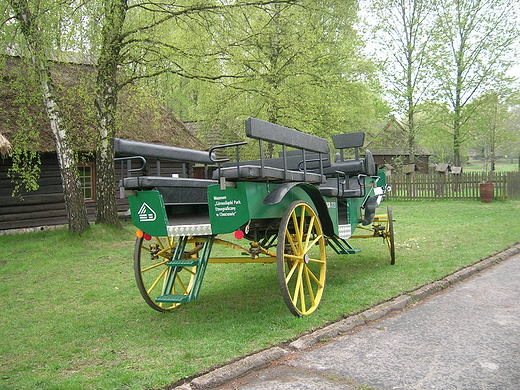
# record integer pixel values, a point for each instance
(5, 146)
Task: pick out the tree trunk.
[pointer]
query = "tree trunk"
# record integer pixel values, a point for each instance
(106, 103)
(73, 194)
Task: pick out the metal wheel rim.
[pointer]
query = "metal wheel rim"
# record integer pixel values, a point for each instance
(389, 235)
(301, 259)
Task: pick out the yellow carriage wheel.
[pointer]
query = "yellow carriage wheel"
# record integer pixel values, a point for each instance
(301, 258)
(388, 234)
(384, 227)
(152, 274)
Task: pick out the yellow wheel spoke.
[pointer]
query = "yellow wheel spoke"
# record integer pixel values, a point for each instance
(308, 273)
(294, 246)
(311, 274)
(302, 225)
(300, 287)
(295, 224)
(159, 242)
(291, 272)
(181, 284)
(314, 242)
(306, 246)
(154, 266)
(154, 284)
(318, 261)
(297, 286)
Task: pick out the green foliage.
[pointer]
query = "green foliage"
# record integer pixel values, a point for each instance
(21, 100)
(492, 126)
(299, 66)
(439, 57)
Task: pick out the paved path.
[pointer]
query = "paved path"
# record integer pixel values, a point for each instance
(451, 335)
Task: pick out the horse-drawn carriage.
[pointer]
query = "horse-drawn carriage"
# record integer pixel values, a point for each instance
(287, 209)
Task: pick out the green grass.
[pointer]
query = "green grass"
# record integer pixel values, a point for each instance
(501, 165)
(72, 317)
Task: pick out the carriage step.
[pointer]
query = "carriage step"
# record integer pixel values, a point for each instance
(349, 251)
(183, 263)
(342, 247)
(171, 298)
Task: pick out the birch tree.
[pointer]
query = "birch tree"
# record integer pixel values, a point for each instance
(29, 23)
(114, 14)
(493, 126)
(475, 40)
(403, 29)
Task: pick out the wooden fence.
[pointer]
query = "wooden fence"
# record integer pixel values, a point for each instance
(506, 185)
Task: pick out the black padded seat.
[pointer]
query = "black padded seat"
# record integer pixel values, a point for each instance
(293, 161)
(370, 165)
(333, 188)
(255, 173)
(174, 190)
(365, 166)
(349, 167)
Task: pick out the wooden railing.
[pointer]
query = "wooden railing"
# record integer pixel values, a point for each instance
(506, 185)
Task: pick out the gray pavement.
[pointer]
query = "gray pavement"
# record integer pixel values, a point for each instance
(462, 332)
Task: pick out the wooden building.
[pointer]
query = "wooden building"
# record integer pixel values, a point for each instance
(139, 118)
(388, 147)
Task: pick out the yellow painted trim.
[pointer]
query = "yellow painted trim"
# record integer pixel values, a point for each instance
(229, 260)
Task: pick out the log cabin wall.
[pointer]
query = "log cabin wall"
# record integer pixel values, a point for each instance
(41, 209)
(45, 208)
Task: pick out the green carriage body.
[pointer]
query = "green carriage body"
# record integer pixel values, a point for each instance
(287, 212)
(233, 207)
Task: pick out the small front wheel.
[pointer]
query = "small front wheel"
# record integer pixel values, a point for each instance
(153, 276)
(301, 258)
(388, 235)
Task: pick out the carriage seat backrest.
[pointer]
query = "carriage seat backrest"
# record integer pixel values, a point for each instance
(354, 166)
(349, 140)
(277, 134)
(286, 167)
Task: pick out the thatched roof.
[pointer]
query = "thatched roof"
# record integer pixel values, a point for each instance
(139, 117)
(5, 146)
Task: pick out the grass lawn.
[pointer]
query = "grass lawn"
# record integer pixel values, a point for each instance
(72, 317)
(501, 165)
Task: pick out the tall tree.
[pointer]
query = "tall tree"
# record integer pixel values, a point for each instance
(475, 39)
(300, 66)
(114, 14)
(132, 40)
(29, 22)
(493, 125)
(403, 30)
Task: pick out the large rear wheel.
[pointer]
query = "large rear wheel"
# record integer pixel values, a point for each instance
(301, 258)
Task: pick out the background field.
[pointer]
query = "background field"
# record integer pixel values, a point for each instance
(72, 317)
(501, 165)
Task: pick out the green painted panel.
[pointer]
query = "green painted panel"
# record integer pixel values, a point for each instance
(233, 207)
(148, 212)
(382, 178)
(227, 209)
(332, 206)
